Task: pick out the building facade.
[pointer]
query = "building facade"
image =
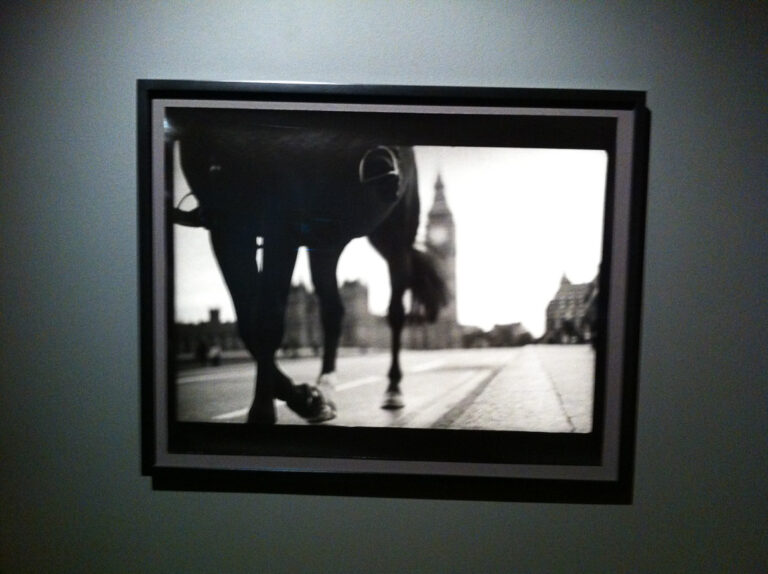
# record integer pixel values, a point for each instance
(200, 339)
(572, 313)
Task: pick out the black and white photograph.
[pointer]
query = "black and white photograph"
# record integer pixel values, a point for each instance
(515, 238)
(389, 280)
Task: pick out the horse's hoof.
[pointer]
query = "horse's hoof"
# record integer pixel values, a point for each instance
(327, 413)
(309, 403)
(393, 400)
(326, 384)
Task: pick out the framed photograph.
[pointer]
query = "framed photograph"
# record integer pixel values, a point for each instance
(427, 292)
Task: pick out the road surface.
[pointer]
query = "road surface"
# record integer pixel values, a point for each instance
(543, 388)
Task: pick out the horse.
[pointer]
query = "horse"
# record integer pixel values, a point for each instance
(274, 182)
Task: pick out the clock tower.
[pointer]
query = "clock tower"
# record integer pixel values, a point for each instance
(441, 245)
(440, 228)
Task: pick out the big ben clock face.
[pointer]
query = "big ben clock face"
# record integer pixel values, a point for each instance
(438, 235)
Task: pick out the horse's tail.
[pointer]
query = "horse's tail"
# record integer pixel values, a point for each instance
(429, 292)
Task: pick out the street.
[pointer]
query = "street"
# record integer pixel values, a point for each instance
(541, 388)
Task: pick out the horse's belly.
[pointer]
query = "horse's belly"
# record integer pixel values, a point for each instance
(312, 190)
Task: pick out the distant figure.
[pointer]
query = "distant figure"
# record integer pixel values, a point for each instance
(214, 355)
(201, 352)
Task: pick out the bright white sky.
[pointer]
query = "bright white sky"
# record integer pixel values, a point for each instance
(524, 217)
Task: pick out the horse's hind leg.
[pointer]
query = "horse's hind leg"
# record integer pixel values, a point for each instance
(398, 272)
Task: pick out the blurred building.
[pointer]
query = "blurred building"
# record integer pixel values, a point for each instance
(302, 322)
(198, 338)
(572, 313)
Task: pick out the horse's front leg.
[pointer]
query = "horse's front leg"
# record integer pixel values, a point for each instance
(323, 263)
(279, 258)
(235, 253)
(259, 299)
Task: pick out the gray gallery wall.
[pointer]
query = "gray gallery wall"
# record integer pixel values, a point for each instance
(71, 498)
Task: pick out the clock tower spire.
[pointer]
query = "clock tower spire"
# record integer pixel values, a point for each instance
(441, 231)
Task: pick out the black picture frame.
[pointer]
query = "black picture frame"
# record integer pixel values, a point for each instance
(589, 467)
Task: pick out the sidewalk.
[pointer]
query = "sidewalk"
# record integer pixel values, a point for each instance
(541, 389)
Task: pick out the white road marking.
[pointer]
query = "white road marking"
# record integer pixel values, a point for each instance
(428, 366)
(359, 383)
(231, 415)
(208, 376)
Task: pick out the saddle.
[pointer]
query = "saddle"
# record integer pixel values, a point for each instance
(379, 169)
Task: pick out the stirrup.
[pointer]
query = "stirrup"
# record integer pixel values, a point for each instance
(379, 168)
(191, 218)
